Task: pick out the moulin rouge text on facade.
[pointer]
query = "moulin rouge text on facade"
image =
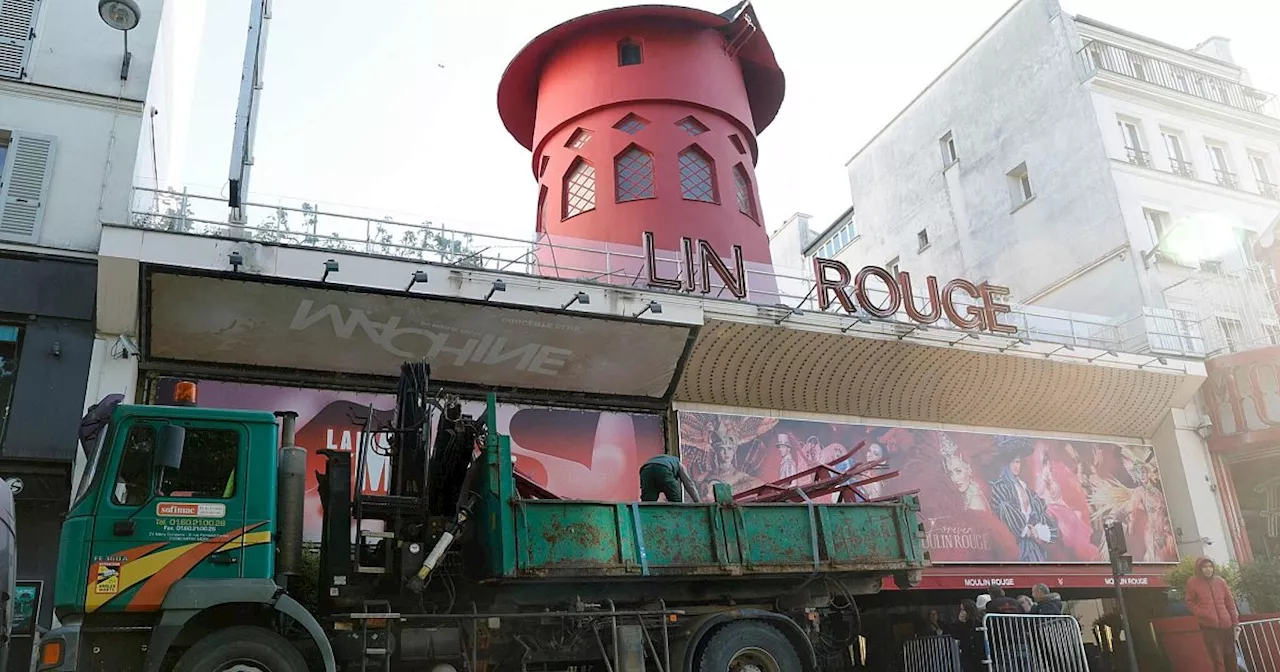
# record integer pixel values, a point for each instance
(835, 284)
(899, 296)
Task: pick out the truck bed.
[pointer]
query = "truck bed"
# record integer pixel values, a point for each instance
(568, 539)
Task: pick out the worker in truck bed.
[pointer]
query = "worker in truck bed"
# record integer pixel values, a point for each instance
(663, 474)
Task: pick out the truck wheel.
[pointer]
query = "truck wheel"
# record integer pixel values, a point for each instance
(749, 646)
(243, 648)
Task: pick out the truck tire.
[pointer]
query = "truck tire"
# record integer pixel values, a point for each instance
(749, 646)
(244, 648)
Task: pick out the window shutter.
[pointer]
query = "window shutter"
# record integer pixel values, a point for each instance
(17, 21)
(24, 186)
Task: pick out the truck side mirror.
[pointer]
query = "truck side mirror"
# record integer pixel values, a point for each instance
(168, 452)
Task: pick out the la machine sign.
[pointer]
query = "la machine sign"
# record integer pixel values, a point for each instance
(837, 285)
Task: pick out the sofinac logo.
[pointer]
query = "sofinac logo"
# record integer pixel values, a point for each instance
(436, 346)
(182, 510)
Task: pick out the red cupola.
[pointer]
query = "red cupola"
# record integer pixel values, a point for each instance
(644, 119)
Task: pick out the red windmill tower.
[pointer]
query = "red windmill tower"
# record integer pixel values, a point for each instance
(643, 120)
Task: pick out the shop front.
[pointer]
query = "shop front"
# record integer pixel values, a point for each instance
(745, 394)
(46, 334)
(1009, 509)
(1242, 397)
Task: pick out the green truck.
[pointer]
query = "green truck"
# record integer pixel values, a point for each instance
(183, 549)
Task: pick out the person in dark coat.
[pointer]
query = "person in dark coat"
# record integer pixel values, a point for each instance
(664, 475)
(965, 632)
(1001, 603)
(1046, 603)
(1209, 598)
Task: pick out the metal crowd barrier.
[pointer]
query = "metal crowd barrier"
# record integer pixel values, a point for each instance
(939, 653)
(1034, 643)
(1259, 643)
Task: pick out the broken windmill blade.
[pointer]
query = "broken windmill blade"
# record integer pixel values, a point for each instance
(789, 482)
(827, 479)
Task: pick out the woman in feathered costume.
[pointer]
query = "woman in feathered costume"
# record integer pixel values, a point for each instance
(1140, 508)
(724, 449)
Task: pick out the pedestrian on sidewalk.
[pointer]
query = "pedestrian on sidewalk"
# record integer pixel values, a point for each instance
(1210, 600)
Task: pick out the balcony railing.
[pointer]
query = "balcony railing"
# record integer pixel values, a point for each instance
(1182, 168)
(773, 288)
(1109, 57)
(1140, 157)
(1269, 190)
(1226, 178)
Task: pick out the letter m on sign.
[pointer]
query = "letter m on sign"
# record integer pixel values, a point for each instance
(24, 184)
(17, 24)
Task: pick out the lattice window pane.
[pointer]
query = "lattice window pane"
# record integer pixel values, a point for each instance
(580, 189)
(634, 172)
(742, 184)
(692, 126)
(631, 124)
(578, 139)
(697, 182)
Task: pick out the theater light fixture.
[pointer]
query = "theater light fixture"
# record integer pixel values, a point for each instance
(498, 286)
(653, 307)
(330, 266)
(581, 297)
(417, 277)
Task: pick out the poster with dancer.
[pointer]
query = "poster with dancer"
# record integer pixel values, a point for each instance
(576, 454)
(985, 498)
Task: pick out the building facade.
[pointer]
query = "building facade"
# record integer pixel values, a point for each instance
(73, 112)
(1119, 185)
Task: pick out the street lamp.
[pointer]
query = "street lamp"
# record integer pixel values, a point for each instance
(122, 15)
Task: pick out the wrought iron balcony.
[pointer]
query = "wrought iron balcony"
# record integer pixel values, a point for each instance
(1182, 168)
(1269, 190)
(1111, 58)
(1226, 178)
(1139, 157)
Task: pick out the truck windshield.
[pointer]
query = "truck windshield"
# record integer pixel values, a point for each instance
(91, 466)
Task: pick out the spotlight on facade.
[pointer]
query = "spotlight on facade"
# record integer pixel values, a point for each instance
(581, 297)
(498, 286)
(417, 277)
(653, 307)
(236, 260)
(330, 266)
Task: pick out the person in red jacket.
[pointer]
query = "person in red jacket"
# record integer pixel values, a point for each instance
(1210, 600)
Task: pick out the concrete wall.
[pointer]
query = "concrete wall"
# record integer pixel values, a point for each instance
(84, 188)
(75, 50)
(1014, 97)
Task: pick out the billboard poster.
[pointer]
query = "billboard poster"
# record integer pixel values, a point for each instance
(577, 454)
(241, 322)
(985, 498)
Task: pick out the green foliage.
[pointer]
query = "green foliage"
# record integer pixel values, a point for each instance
(1177, 576)
(1260, 582)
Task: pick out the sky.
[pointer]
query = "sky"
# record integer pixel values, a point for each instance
(392, 109)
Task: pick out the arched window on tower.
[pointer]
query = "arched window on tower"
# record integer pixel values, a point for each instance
(746, 195)
(629, 52)
(697, 176)
(633, 174)
(579, 189)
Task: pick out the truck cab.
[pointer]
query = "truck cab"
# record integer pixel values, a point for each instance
(169, 537)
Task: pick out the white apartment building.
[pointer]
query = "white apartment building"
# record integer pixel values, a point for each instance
(89, 96)
(1098, 173)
